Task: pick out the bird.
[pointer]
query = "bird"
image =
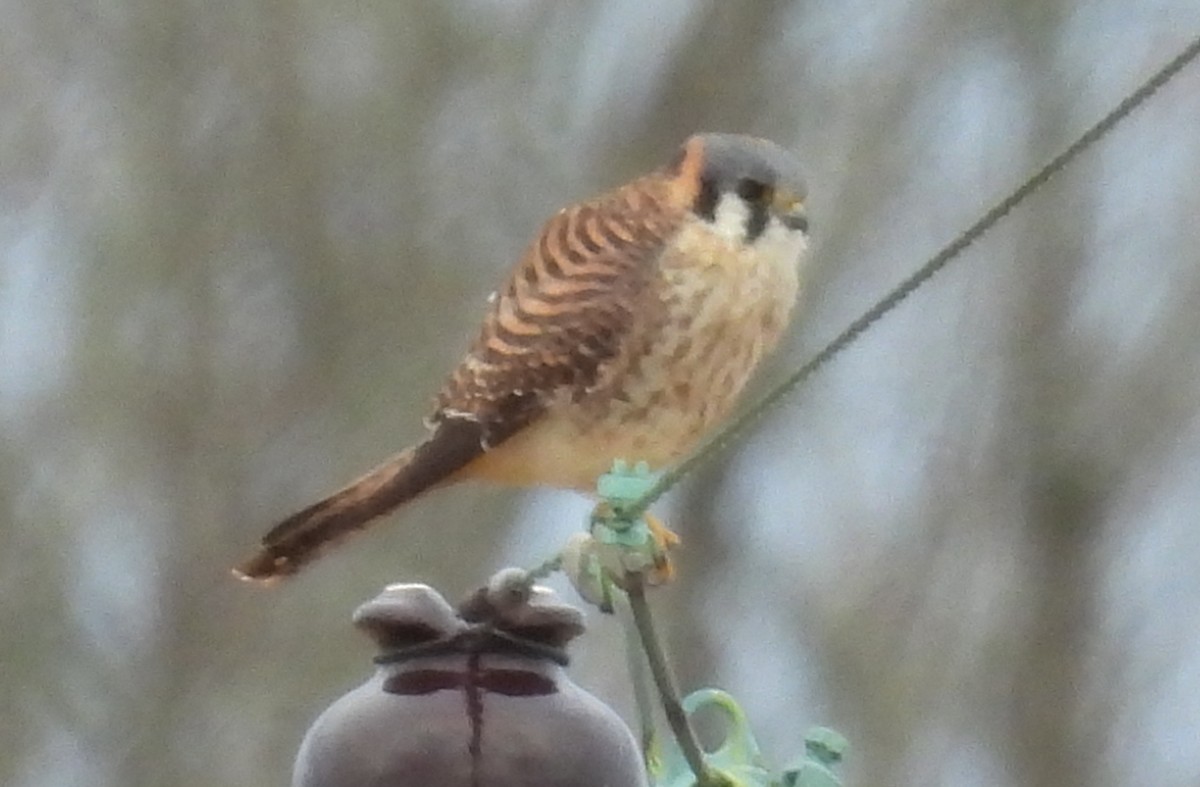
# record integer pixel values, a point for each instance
(627, 330)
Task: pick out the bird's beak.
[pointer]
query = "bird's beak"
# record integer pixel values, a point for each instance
(791, 210)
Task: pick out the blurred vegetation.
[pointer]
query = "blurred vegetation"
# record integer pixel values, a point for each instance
(242, 242)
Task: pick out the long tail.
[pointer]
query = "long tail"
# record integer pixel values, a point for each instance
(305, 535)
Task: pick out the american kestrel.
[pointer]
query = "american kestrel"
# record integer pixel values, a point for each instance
(626, 331)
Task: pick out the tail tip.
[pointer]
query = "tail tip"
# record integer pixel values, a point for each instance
(263, 569)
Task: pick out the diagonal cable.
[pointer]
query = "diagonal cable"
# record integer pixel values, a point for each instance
(737, 426)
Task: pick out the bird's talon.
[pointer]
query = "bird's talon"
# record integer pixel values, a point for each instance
(663, 536)
(663, 573)
(665, 539)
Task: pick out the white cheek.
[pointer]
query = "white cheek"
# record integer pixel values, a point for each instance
(778, 241)
(781, 242)
(730, 219)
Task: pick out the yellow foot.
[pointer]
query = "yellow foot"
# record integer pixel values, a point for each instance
(664, 570)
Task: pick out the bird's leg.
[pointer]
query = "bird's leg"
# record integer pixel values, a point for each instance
(620, 548)
(665, 538)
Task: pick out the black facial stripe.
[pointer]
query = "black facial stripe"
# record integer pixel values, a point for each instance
(705, 205)
(756, 222)
(751, 190)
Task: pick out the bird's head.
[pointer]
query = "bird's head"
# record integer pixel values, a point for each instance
(747, 188)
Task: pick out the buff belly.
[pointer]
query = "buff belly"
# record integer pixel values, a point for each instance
(722, 310)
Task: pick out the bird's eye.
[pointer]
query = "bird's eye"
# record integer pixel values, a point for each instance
(753, 191)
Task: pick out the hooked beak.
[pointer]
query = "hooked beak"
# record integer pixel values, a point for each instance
(791, 211)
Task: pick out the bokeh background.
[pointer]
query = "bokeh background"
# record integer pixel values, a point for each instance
(241, 243)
